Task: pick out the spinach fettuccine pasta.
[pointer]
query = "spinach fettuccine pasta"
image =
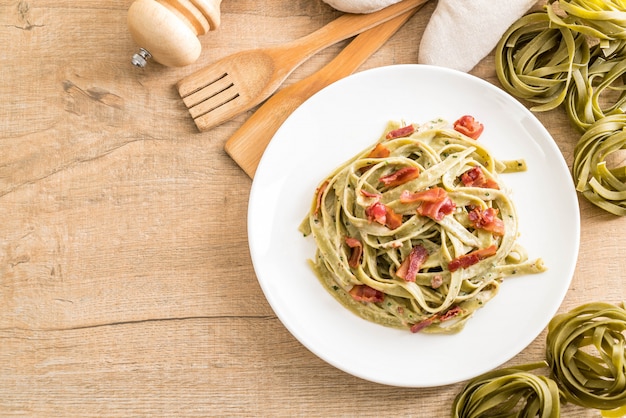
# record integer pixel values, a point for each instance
(585, 365)
(586, 352)
(417, 231)
(509, 392)
(572, 54)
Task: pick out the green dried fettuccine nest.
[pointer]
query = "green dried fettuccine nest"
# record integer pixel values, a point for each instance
(595, 179)
(602, 19)
(589, 98)
(586, 351)
(586, 359)
(574, 54)
(510, 392)
(543, 52)
(536, 62)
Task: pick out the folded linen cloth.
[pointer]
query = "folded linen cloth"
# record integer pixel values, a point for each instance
(360, 6)
(460, 33)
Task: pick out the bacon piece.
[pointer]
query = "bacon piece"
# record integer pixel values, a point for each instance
(441, 317)
(379, 151)
(400, 176)
(437, 210)
(320, 192)
(487, 220)
(450, 313)
(372, 198)
(377, 212)
(429, 195)
(357, 251)
(400, 132)
(394, 220)
(383, 215)
(369, 194)
(436, 281)
(475, 177)
(364, 293)
(468, 126)
(423, 324)
(435, 202)
(467, 260)
(411, 265)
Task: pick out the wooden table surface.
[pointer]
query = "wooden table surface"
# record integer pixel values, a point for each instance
(126, 285)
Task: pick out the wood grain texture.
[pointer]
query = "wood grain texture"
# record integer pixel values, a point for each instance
(126, 286)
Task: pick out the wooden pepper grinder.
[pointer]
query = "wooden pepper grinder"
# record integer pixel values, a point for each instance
(167, 30)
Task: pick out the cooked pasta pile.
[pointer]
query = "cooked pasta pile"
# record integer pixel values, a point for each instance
(417, 231)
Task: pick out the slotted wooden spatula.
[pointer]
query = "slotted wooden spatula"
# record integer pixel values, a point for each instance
(248, 143)
(241, 81)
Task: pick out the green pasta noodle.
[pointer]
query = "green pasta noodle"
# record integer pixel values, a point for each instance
(403, 262)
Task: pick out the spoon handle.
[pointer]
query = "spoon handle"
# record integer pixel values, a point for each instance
(247, 144)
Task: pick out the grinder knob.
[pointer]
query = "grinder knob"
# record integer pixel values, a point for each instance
(167, 30)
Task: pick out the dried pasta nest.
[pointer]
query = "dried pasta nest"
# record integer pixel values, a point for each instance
(536, 61)
(598, 90)
(509, 392)
(585, 365)
(599, 167)
(586, 352)
(573, 54)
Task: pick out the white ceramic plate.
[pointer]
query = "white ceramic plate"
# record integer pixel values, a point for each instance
(340, 121)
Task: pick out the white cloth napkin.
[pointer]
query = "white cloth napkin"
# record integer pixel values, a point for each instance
(360, 6)
(460, 33)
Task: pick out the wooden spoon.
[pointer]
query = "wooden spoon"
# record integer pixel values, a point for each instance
(241, 81)
(247, 144)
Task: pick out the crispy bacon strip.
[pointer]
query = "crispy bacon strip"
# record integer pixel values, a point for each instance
(411, 265)
(400, 176)
(469, 259)
(437, 210)
(400, 132)
(377, 212)
(441, 317)
(369, 194)
(486, 220)
(394, 220)
(379, 151)
(384, 215)
(468, 126)
(435, 202)
(364, 293)
(429, 195)
(450, 313)
(423, 324)
(319, 192)
(357, 251)
(475, 177)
